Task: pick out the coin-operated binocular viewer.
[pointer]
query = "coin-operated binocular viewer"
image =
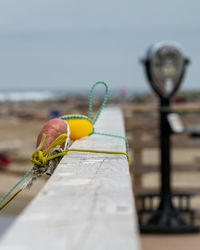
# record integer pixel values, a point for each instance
(165, 66)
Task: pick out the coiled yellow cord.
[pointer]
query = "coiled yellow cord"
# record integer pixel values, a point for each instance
(39, 157)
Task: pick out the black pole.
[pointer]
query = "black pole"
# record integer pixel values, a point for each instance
(165, 158)
(166, 218)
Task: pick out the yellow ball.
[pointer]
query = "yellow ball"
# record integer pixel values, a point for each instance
(79, 127)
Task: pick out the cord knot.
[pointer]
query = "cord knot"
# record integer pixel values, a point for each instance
(38, 158)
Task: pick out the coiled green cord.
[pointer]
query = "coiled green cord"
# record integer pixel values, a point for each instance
(17, 184)
(102, 105)
(92, 151)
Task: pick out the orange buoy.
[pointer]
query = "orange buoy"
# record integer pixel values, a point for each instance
(53, 129)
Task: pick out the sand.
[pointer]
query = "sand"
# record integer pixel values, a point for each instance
(20, 123)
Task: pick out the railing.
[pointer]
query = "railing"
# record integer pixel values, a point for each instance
(87, 203)
(142, 122)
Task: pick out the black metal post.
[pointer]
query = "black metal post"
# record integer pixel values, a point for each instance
(166, 218)
(165, 66)
(165, 166)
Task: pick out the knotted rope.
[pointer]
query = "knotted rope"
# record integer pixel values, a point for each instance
(44, 160)
(41, 159)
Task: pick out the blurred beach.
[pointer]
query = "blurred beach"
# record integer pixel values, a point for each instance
(22, 119)
(20, 123)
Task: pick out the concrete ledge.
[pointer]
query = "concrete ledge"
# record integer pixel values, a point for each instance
(86, 204)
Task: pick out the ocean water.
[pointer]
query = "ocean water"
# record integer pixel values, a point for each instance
(34, 95)
(14, 95)
(52, 94)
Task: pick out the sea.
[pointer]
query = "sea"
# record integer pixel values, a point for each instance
(53, 94)
(30, 95)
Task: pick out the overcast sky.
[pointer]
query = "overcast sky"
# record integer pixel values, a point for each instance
(73, 43)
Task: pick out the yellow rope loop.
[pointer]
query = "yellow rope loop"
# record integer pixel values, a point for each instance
(39, 157)
(35, 153)
(99, 151)
(57, 142)
(42, 142)
(56, 155)
(42, 158)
